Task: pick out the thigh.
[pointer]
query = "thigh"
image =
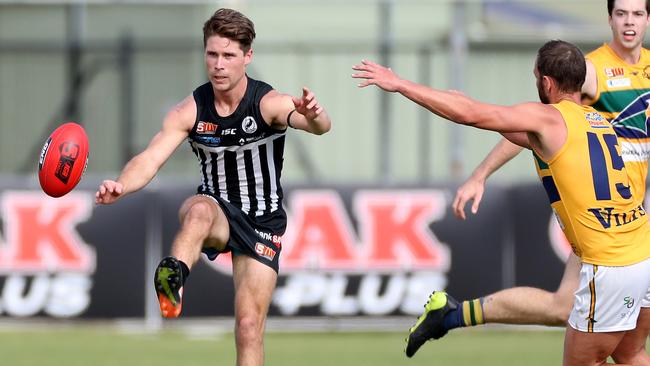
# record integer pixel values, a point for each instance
(219, 230)
(582, 348)
(254, 285)
(632, 346)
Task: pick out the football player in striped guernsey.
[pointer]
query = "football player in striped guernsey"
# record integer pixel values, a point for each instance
(236, 126)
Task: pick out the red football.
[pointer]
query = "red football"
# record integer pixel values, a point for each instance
(63, 159)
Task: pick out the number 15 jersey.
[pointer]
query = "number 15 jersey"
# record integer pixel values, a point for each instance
(589, 191)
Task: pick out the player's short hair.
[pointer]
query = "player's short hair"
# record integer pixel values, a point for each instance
(563, 62)
(231, 24)
(610, 6)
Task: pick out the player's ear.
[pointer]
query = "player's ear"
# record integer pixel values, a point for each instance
(548, 83)
(248, 56)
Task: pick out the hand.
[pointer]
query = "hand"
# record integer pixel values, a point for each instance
(109, 191)
(472, 190)
(307, 105)
(375, 74)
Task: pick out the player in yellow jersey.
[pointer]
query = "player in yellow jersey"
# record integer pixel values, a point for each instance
(605, 224)
(617, 84)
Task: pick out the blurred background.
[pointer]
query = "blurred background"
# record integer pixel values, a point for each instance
(118, 66)
(381, 182)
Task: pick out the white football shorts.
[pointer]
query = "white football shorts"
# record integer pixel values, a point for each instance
(609, 299)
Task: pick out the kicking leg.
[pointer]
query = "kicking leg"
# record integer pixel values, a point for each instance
(518, 305)
(254, 285)
(521, 305)
(203, 223)
(528, 305)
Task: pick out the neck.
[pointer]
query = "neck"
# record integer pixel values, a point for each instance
(630, 56)
(571, 97)
(226, 101)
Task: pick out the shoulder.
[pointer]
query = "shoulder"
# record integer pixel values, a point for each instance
(273, 99)
(259, 88)
(597, 53)
(202, 89)
(547, 114)
(259, 83)
(183, 114)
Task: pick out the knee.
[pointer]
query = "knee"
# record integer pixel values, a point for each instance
(562, 308)
(200, 213)
(249, 329)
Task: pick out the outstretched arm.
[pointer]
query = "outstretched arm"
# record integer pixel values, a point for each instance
(302, 113)
(141, 169)
(454, 106)
(542, 123)
(472, 189)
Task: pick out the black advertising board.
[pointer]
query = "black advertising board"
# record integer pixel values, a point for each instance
(348, 251)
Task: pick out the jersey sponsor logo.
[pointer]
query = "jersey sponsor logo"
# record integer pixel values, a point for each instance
(596, 120)
(613, 72)
(275, 239)
(387, 263)
(46, 265)
(604, 216)
(208, 140)
(264, 251)
(635, 151)
(249, 125)
(646, 72)
(229, 131)
(619, 83)
(206, 128)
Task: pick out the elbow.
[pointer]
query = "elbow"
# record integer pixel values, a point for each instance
(465, 117)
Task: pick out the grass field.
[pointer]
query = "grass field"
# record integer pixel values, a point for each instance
(94, 346)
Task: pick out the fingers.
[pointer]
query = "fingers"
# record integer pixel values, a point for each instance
(458, 205)
(297, 102)
(307, 104)
(467, 192)
(108, 191)
(477, 202)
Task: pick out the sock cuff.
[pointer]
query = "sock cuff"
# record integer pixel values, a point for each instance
(473, 312)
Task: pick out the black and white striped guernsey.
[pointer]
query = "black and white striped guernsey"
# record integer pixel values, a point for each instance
(240, 155)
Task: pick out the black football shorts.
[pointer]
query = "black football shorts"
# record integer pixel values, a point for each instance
(257, 237)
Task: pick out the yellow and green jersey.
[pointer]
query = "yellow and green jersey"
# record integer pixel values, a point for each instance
(589, 191)
(623, 97)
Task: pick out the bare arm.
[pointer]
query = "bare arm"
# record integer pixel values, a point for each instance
(141, 169)
(535, 119)
(472, 189)
(306, 113)
(451, 105)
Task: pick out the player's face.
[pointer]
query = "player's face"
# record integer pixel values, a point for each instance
(225, 62)
(629, 21)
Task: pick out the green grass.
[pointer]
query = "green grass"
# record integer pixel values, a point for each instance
(96, 347)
